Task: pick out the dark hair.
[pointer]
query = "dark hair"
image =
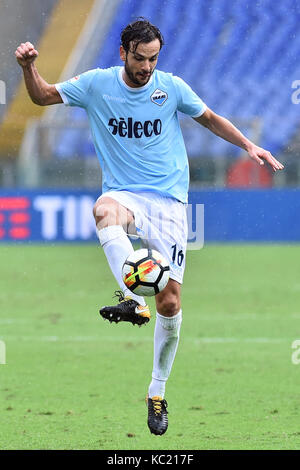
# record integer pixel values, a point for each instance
(139, 31)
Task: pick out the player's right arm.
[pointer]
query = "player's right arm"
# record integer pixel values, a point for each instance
(41, 92)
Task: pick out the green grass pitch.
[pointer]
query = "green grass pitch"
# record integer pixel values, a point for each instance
(73, 381)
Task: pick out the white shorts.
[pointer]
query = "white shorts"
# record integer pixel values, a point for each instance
(160, 223)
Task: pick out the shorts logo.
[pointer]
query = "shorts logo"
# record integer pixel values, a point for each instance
(159, 97)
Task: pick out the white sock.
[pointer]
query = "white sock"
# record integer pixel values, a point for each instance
(117, 247)
(166, 338)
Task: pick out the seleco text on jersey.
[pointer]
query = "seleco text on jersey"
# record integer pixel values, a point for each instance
(135, 129)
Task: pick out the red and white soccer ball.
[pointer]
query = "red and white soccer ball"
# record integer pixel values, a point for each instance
(146, 272)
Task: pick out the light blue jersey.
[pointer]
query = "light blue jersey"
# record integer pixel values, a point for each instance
(136, 131)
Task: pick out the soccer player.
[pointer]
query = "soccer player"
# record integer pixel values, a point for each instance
(132, 112)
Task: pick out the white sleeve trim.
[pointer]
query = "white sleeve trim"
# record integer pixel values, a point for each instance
(201, 112)
(63, 96)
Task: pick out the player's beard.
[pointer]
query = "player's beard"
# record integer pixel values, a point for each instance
(132, 77)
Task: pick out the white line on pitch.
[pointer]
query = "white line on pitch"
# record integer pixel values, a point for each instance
(134, 339)
(240, 340)
(12, 321)
(205, 317)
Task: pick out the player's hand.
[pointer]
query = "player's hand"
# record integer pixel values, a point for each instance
(26, 54)
(259, 155)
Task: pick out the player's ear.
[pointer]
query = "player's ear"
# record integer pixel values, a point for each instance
(122, 53)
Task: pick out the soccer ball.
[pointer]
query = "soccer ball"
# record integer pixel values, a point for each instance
(146, 272)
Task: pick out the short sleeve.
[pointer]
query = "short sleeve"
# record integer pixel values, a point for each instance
(188, 101)
(76, 91)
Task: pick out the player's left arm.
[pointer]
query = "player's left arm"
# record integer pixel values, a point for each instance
(222, 127)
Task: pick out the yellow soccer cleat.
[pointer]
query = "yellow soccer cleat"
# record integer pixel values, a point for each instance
(157, 415)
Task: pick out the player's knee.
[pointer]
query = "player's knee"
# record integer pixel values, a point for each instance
(102, 212)
(169, 305)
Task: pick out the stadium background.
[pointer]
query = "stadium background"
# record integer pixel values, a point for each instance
(242, 58)
(239, 57)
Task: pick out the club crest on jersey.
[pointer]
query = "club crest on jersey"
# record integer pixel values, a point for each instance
(159, 97)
